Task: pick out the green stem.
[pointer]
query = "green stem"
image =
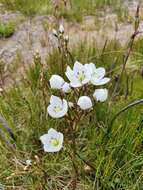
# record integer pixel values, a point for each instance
(75, 170)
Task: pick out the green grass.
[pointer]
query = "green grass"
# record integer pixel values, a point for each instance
(95, 8)
(75, 11)
(26, 7)
(6, 29)
(118, 158)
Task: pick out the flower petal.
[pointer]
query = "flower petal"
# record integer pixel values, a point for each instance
(100, 72)
(78, 67)
(66, 87)
(90, 67)
(55, 100)
(102, 81)
(76, 84)
(44, 138)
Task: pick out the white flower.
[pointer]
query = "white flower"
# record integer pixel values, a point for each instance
(66, 88)
(78, 76)
(61, 28)
(84, 102)
(56, 82)
(53, 141)
(101, 95)
(97, 74)
(58, 107)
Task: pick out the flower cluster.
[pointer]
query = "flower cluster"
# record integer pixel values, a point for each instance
(79, 77)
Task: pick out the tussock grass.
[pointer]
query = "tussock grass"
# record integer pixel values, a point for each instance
(117, 157)
(75, 9)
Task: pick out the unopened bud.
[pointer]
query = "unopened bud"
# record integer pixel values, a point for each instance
(87, 169)
(28, 162)
(54, 32)
(61, 28)
(66, 38)
(71, 105)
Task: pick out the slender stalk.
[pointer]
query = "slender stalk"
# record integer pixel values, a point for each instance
(75, 170)
(129, 50)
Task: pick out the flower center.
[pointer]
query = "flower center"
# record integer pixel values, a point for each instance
(57, 109)
(81, 76)
(55, 142)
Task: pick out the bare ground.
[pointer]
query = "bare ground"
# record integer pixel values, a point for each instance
(32, 35)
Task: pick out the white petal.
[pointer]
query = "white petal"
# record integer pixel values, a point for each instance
(66, 87)
(44, 138)
(52, 132)
(69, 73)
(78, 67)
(101, 95)
(76, 83)
(55, 100)
(84, 102)
(100, 72)
(90, 67)
(65, 108)
(56, 82)
(102, 81)
(50, 148)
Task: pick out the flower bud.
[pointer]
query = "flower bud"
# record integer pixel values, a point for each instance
(56, 82)
(54, 32)
(66, 38)
(61, 29)
(84, 102)
(101, 95)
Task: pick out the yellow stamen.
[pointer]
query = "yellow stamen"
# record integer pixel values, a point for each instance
(57, 109)
(81, 76)
(55, 142)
